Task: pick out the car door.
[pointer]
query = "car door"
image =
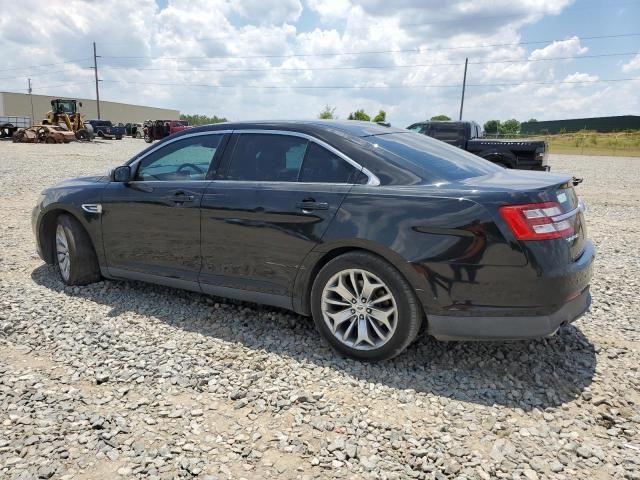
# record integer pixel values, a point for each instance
(151, 225)
(270, 207)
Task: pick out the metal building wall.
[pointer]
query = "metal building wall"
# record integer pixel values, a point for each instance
(19, 104)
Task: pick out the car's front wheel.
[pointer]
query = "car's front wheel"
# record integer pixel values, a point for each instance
(75, 256)
(364, 307)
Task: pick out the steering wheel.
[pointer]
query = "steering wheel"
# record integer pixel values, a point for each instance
(189, 165)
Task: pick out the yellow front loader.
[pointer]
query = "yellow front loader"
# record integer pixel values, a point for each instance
(65, 112)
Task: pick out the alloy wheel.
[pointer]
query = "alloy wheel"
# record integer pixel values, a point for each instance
(62, 251)
(359, 309)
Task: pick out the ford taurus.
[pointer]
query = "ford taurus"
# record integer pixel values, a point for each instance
(372, 230)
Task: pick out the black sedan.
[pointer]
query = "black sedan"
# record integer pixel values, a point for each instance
(372, 230)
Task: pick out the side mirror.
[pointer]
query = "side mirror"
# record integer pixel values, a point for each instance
(79, 104)
(121, 174)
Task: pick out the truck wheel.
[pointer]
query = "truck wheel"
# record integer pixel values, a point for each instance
(6, 130)
(82, 135)
(147, 138)
(119, 137)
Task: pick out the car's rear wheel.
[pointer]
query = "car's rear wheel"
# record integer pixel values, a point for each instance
(75, 257)
(364, 307)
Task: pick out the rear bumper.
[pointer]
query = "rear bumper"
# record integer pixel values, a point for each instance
(508, 328)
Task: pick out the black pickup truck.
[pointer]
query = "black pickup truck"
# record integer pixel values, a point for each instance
(521, 154)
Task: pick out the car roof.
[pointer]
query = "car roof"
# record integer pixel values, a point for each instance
(350, 127)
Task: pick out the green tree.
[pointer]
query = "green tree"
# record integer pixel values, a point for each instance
(329, 113)
(492, 126)
(359, 115)
(440, 118)
(532, 120)
(509, 127)
(201, 119)
(380, 117)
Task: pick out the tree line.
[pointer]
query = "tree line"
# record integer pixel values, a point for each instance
(329, 113)
(201, 119)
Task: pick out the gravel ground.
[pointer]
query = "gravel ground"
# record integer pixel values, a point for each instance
(137, 381)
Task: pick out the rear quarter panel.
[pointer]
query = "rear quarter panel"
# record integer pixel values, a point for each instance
(429, 236)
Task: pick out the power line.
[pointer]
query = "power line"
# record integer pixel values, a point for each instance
(371, 52)
(45, 65)
(364, 87)
(40, 87)
(361, 67)
(38, 74)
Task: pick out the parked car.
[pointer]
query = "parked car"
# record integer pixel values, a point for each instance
(371, 230)
(106, 129)
(134, 130)
(520, 154)
(43, 134)
(158, 129)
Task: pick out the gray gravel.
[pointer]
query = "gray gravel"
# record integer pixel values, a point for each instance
(132, 380)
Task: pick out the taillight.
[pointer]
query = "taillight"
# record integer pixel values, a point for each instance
(535, 221)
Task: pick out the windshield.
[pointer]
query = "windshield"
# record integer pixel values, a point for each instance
(435, 160)
(66, 106)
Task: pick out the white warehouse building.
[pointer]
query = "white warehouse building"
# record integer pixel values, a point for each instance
(19, 105)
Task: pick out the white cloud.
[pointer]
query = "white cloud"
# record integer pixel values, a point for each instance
(269, 11)
(580, 77)
(563, 48)
(633, 65)
(264, 37)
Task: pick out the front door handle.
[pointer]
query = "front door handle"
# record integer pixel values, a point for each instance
(310, 204)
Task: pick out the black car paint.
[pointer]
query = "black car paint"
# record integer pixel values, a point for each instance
(518, 154)
(446, 239)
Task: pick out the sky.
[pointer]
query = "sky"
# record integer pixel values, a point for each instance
(287, 59)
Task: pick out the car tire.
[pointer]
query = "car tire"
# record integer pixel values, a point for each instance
(147, 138)
(379, 340)
(75, 257)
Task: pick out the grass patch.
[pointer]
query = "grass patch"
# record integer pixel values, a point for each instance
(622, 144)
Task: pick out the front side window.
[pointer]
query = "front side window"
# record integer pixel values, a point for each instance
(267, 158)
(321, 165)
(185, 159)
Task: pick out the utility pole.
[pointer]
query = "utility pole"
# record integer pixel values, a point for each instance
(33, 119)
(95, 68)
(464, 84)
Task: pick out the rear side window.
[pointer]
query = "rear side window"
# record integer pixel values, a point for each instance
(436, 161)
(321, 165)
(447, 132)
(267, 158)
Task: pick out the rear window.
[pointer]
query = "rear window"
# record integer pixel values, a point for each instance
(436, 161)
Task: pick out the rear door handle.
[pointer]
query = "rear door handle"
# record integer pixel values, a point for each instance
(181, 197)
(308, 205)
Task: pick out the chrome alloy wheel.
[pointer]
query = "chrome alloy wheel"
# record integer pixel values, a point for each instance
(62, 251)
(359, 309)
